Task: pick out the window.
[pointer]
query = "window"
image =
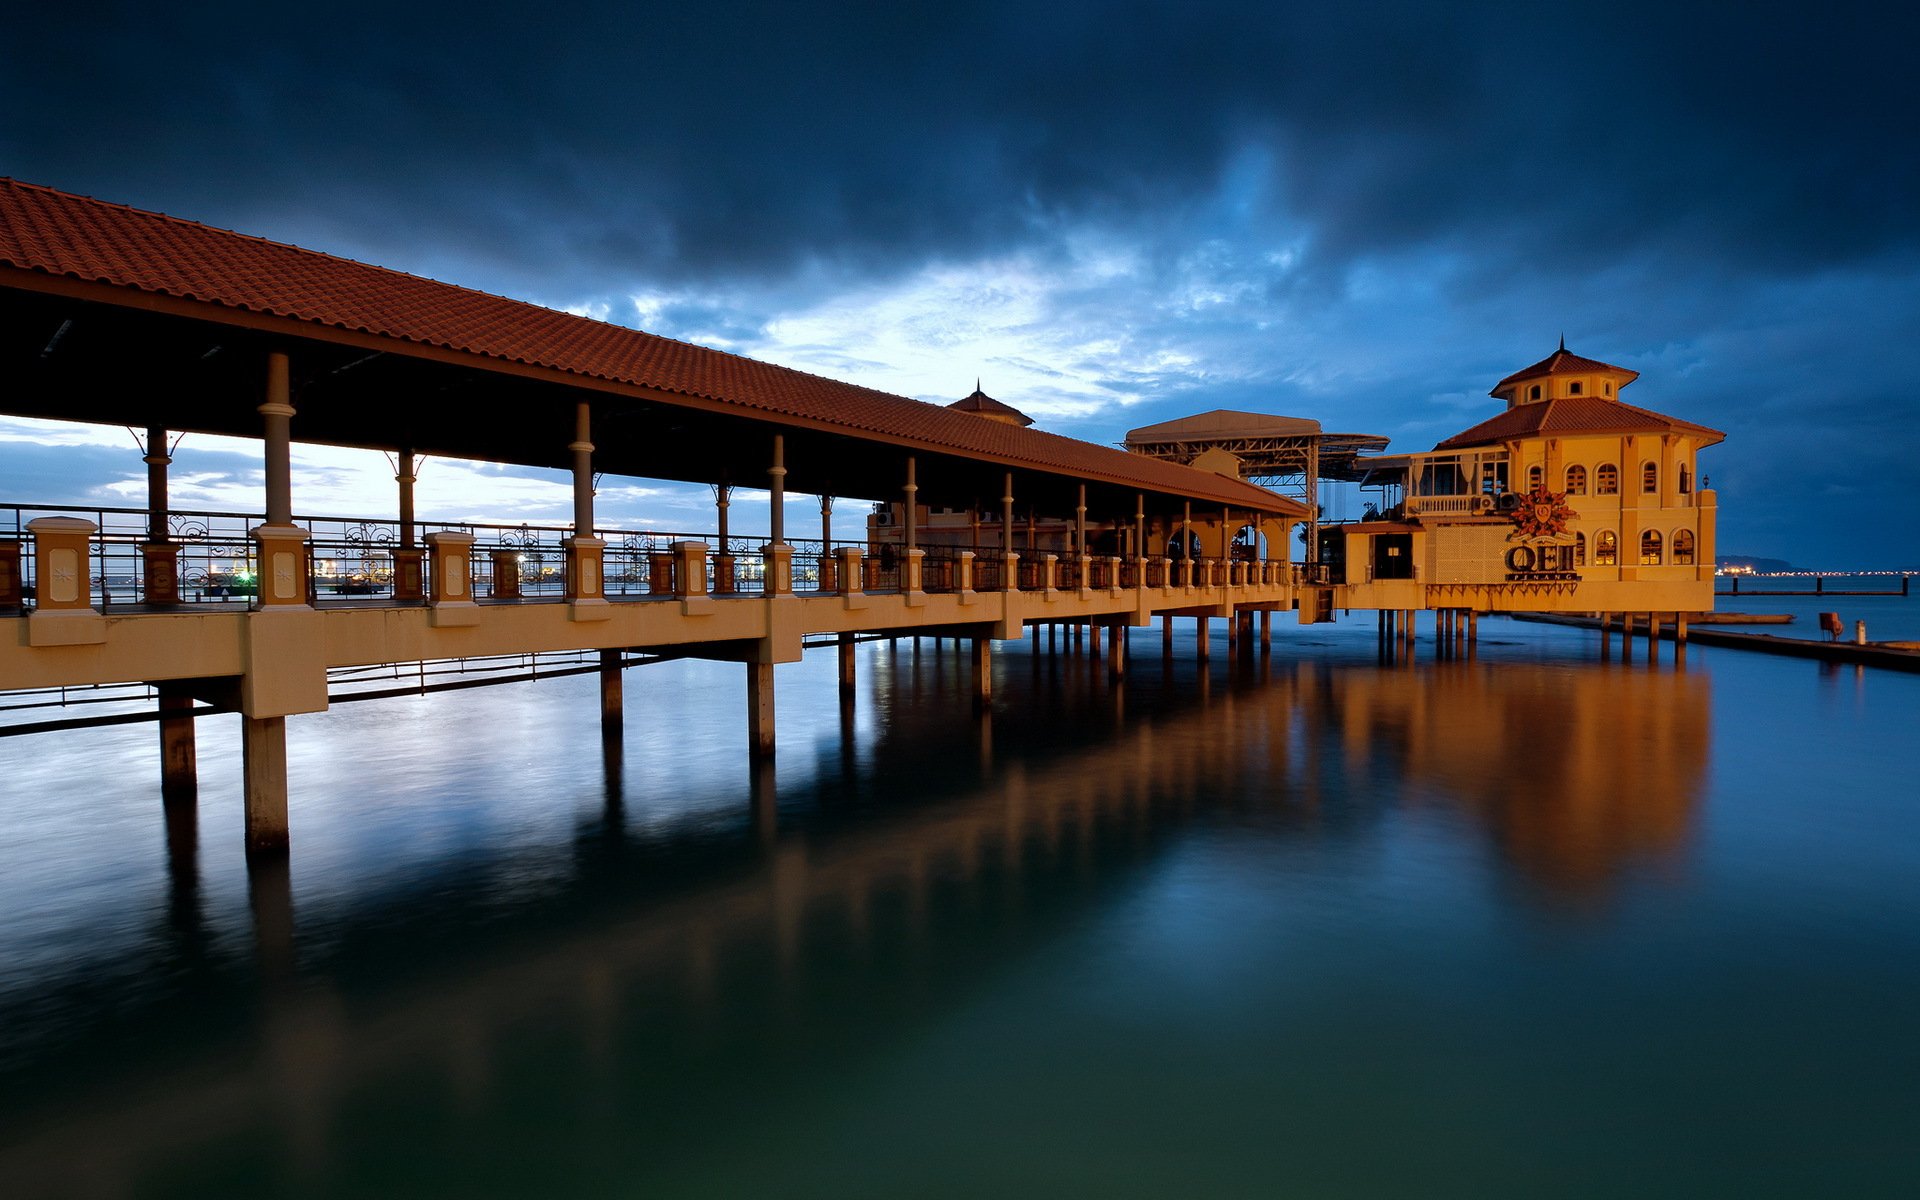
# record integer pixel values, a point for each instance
(1683, 547)
(1536, 478)
(1606, 548)
(1606, 389)
(1650, 548)
(1649, 477)
(1576, 480)
(1533, 393)
(1579, 549)
(1573, 389)
(1606, 480)
(1686, 480)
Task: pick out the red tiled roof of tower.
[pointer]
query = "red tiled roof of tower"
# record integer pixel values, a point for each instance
(981, 404)
(57, 233)
(1562, 362)
(1573, 415)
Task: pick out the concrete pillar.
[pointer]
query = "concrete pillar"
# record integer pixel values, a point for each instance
(612, 694)
(1201, 628)
(62, 551)
(1266, 631)
(982, 671)
(845, 647)
(263, 753)
(1473, 629)
(1166, 633)
(1653, 638)
(760, 710)
(1233, 631)
(1117, 651)
(723, 556)
(1093, 640)
(1626, 637)
(179, 766)
(777, 569)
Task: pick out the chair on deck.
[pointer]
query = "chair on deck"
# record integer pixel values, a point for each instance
(1830, 625)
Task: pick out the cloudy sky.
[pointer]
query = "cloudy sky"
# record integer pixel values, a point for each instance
(1111, 213)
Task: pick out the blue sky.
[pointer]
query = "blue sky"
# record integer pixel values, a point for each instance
(1111, 213)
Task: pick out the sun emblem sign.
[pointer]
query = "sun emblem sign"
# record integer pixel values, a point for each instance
(1543, 514)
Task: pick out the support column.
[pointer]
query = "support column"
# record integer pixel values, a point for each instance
(723, 556)
(829, 582)
(1653, 639)
(846, 665)
(263, 754)
(760, 710)
(160, 557)
(282, 577)
(1116, 651)
(1166, 634)
(982, 671)
(1009, 561)
(585, 553)
(179, 766)
(612, 695)
(912, 492)
(1266, 631)
(1201, 629)
(1626, 637)
(409, 584)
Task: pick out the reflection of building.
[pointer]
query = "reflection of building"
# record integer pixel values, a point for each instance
(1570, 500)
(1578, 774)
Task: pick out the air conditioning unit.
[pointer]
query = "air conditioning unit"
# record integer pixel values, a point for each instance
(1508, 502)
(1483, 504)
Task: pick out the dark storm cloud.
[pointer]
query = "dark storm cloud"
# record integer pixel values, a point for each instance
(580, 145)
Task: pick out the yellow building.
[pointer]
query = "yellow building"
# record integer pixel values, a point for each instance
(1570, 500)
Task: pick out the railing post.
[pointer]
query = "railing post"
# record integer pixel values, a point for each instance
(1113, 575)
(722, 571)
(660, 573)
(689, 569)
(160, 572)
(63, 612)
(409, 579)
(1049, 570)
(285, 567)
(506, 572)
(585, 577)
(778, 569)
(851, 579)
(10, 590)
(963, 582)
(1010, 572)
(450, 572)
(1083, 566)
(912, 573)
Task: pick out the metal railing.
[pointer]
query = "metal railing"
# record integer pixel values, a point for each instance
(354, 560)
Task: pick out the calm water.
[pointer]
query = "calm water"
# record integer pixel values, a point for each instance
(1527, 925)
(1888, 618)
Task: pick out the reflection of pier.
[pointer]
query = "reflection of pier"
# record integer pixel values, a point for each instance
(1579, 774)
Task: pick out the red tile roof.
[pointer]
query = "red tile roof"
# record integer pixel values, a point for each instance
(1563, 362)
(1574, 415)
(56, 233)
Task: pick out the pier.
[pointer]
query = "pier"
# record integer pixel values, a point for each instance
(115, 316)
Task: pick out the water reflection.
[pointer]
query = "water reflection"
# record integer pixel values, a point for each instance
(680, 979)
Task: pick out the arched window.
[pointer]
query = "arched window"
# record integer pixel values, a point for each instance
(1606, 389)
(1606, 480)
(1650, 548)
(1573, 389)
(1533, 393)
(1576, 480)
(1686, 480)
(1606, 548)
(1683, 547)
(1649, 477)
(1536, 478)
(1579, 549)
